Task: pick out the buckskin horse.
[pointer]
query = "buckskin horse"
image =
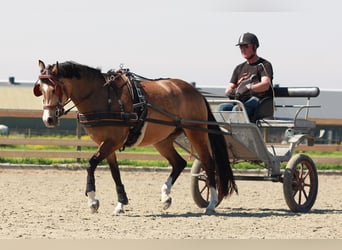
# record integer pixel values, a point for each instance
(119, 109)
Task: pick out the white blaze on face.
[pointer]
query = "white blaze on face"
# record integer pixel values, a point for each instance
(49, 103)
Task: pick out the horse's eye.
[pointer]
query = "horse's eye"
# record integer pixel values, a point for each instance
(53, 91)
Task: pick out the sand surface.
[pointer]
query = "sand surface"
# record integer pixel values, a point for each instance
(50, 204)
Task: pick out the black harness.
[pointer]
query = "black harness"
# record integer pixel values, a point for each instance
(139, 108)
(135, 119)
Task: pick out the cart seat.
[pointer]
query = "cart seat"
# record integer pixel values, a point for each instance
(266, 105)
(264, 116)
(306, 92)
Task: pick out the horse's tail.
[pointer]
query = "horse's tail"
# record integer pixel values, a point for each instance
(225, 177)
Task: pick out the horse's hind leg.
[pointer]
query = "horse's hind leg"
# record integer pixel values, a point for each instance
(167, 150)
(199, 142)
(120, 189)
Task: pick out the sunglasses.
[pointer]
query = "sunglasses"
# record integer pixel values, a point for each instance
(244, 46)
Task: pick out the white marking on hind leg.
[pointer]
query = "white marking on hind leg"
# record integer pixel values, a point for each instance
(165, 193)
(213, 201)
(119, 209)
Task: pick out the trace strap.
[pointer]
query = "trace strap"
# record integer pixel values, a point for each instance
(107, 118)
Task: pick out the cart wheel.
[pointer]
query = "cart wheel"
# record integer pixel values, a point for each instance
(199, 185)
(300, 183)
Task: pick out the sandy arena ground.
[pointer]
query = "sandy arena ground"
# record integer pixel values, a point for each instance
(50, 204)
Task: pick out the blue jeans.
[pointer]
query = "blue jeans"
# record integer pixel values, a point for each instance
(250, 105)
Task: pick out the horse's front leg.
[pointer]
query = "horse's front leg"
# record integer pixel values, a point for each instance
(93, 203)
(103, 150)
(120, 189)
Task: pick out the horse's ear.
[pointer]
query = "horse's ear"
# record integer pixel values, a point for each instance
(41, 65)
(55, 69)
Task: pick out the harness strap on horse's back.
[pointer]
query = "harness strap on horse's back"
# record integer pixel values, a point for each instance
(139, 106)
(135, 120)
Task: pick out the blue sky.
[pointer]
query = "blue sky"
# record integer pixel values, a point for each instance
(187, 39)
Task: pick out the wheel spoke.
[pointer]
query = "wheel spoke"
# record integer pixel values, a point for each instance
(296, 176)
(301, 169)
(202, 178)
(300, 198)
(295, 193)
(205, 192)
(203, 188)
(306, 175)
(305, 194)
(307, 185)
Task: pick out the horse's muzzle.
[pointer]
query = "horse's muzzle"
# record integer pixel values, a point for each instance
(50, 117)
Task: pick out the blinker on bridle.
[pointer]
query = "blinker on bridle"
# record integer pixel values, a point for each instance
(58, 86)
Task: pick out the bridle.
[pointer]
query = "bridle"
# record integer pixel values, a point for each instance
(59, 89)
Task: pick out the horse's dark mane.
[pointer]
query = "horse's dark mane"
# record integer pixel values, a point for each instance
(70, 69)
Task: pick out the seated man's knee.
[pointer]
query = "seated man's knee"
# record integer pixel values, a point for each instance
(225, 107)
(251, 106)
(236, 108)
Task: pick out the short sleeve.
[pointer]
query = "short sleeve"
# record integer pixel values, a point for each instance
(235, 75)
(266, 69)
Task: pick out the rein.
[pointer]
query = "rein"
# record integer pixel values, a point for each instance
(179, 122)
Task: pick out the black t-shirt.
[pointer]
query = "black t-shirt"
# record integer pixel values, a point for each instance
(260, 68)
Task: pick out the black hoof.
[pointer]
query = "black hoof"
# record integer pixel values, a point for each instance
(167, 203)
(122, 196)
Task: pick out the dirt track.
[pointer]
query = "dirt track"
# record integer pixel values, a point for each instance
(38, 204)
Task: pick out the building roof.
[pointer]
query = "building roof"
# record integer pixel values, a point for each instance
(19, 97)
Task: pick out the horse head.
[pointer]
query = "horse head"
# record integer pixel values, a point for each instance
(54, 93)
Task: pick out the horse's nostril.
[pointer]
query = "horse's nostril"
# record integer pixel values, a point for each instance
(50, 121)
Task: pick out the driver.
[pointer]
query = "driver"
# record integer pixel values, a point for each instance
(251, 80)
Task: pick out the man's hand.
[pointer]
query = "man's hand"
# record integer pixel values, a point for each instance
(229, 91)
(245, 85)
